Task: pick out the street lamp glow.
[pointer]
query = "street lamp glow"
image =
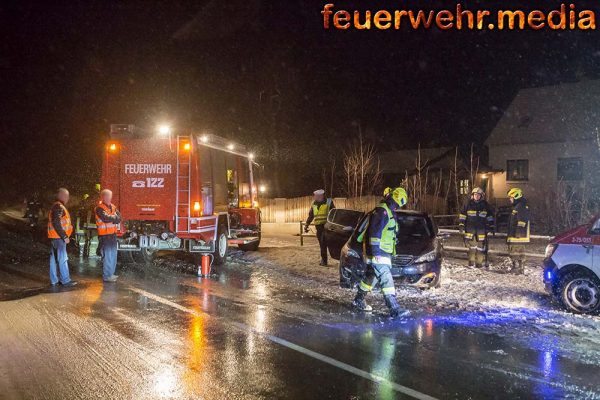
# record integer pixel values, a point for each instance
(164, 129)
(251, 156)
(204, 139)
(262, 188)
(231, 146)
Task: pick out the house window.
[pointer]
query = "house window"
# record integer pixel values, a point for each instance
(517, 170)
(569, 169)
(464, 186)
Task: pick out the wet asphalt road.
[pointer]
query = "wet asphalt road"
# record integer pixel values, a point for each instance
(159, 333)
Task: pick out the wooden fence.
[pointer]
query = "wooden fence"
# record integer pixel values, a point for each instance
(294, 210)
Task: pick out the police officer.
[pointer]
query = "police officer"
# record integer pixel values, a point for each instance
(476, 221)
(379, 242)
(60, 229)
(518, 230)
(107, 221)
(318, 216)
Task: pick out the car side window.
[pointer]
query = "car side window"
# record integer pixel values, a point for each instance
(346, 217)
(596, 228)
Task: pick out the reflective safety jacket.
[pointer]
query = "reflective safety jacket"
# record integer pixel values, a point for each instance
(518, 223)
(379, 236)
(318, 212)
(107, 219)
(477, 219)
(59, 222)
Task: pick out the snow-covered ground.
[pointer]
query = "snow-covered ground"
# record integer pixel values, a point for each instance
(494, 301)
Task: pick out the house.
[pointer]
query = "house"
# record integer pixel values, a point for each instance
(546, 142)
(435, 168)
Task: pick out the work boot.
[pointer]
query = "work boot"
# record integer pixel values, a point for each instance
(323, 263)
(471, 264)
(395, 310)
(359, 302)
(478, 266)
(519, 268)
(112, 278)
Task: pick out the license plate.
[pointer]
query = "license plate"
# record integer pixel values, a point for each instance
(202, 248)
(126, 246)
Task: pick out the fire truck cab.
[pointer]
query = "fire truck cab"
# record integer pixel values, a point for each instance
(572, 268)
(180, 192)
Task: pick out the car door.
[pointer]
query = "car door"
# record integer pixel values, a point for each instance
(338, 229)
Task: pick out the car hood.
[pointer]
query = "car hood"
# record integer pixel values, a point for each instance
(415, 247)
(567, 236)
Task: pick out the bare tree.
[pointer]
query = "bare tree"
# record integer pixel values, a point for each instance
(361, 169)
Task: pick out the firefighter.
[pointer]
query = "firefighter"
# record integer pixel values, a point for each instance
(518, 230)
(379, 241)
(59, 231)
(318, 216)
(476, 221)
(86, 210)
(386, 192)
(107, 221)
(32, 209)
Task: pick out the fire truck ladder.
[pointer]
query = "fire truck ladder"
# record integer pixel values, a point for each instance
(182, 215)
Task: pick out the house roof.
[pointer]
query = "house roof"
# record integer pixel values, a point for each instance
(402, 161)
(566, 112)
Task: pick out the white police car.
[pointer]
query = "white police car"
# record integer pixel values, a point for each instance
(572, 268)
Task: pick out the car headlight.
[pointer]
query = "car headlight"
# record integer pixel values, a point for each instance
(427, 257)
(349, 252)
(550, 250)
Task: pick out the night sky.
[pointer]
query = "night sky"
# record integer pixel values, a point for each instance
(264, 73)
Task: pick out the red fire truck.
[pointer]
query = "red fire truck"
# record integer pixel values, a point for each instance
(180, 192)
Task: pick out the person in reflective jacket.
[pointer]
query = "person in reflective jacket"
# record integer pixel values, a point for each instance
(518, 236)
(108, 219)
(318, 216)
(60, 230)
(379, 242)
(476, 221)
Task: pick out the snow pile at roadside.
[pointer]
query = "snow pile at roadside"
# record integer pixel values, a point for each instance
(465, 288)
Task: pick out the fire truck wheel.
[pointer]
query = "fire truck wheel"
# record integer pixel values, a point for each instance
(144, 256)
(220, 247)
(126, 257)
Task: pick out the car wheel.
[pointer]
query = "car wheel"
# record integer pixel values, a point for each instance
(347, 280)
(580, 292)
(221, 246)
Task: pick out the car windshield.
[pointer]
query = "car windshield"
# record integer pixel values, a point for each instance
(411, 226)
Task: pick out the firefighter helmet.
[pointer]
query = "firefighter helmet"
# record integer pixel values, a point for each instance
(478, 190)
(399, 196)
(387, 191)
(515, 193)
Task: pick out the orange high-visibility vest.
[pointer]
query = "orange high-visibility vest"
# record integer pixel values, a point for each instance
(65, 222)
(106, 228)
